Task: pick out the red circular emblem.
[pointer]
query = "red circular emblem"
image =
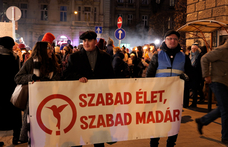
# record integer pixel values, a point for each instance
(56, 112)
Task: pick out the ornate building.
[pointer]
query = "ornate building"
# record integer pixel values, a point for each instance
(140, 19)
(59, 18)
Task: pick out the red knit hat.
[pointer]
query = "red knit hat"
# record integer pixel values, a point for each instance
(49, 37)
(21, 45)
(101, 44)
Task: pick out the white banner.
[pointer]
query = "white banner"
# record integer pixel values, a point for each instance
(69, 113)
(6, 29)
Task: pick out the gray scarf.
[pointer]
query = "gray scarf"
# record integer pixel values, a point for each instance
(193, 57)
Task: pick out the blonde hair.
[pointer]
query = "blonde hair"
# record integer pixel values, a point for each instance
(57, 49)
(116, 49)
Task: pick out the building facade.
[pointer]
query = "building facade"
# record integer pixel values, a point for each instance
(144, 21)
(211, 10)
(135, 15)
(59, 18)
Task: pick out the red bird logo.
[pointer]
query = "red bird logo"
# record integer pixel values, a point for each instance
(56, 112)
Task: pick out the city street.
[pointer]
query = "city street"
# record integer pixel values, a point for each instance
(188, 135)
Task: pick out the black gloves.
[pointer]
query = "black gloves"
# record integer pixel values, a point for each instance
(184, 77)
(35, 78)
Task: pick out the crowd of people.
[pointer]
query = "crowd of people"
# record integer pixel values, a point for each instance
(99, 60)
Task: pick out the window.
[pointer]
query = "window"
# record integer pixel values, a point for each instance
(158, 1)
(3, 15)
(120, 1)
(44, 12)
(130, 1)
(145, 20)
(169, 23)
(87, 12)
(87, 9)
(87, 16)
(145, 2)
(79, 13)
(95, 14)
(130, 18)
(24, 8)
(171, 2)
(63, 13)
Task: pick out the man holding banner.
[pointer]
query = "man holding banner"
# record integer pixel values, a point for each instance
(170, 61)
(89, 63)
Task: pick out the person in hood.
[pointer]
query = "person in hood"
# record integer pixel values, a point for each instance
(168, 62)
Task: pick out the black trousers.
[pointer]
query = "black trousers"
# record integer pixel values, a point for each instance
(171, 141)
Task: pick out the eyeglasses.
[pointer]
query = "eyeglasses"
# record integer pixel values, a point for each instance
(175, 39)
(49, 48)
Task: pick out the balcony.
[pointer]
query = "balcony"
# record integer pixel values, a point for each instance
(86, 23)
(125, 5)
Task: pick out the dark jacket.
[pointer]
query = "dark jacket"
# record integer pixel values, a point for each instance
(25, 74)
(78, 66)
(118, 65)
(110, 50)
(10, 116)
(151, 71)
(197, 71)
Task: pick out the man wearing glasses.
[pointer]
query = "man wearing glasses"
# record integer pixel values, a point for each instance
(168, 62)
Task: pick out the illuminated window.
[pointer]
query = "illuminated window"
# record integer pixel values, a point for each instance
(24, 8)
(63, 13)
(44, 12)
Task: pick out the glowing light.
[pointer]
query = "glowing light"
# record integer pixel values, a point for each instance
(145, 47)
(75, 12)
(157, 41)
(63, 37)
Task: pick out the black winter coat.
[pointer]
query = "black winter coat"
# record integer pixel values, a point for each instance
(118, 65)
(10, 116)
(78, 66)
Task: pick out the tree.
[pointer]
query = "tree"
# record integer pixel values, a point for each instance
(180, 18)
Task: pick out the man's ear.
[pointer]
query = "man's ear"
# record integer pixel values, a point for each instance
(96, 41)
